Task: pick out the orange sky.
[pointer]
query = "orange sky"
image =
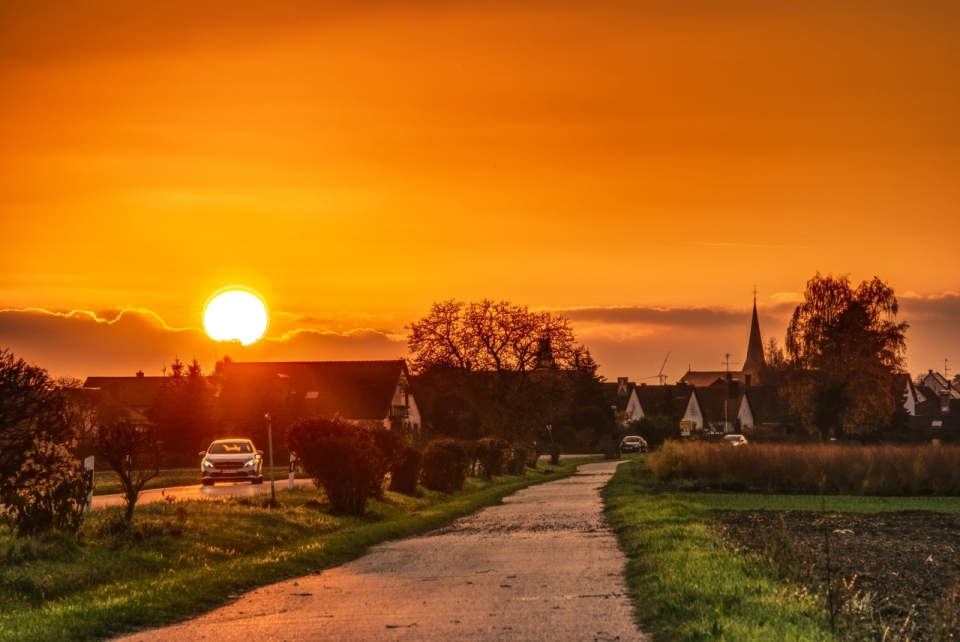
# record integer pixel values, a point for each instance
(355, 162)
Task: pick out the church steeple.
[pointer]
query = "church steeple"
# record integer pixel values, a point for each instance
(754, 363)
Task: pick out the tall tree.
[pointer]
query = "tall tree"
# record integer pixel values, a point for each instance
(495, 368)
(845, 347)
(183, 411)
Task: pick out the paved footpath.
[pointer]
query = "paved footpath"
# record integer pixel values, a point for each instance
(542, 566)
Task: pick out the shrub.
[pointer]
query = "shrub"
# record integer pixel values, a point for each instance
(521, 455)
(555, 451)
(342, 458)
(42, 486)
(405, 471)
(493, 455)
(445, 464)
(814, 468)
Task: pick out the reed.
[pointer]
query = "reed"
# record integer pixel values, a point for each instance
(885, 470)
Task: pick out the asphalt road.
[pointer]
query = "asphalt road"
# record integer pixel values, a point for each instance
(543, 565)
(227, 489)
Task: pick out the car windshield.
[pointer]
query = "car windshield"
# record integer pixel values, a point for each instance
(634, 440)
(230, 448)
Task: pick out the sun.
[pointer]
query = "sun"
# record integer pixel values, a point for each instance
(235, 315)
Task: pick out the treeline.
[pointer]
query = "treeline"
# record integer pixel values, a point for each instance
(496, 369)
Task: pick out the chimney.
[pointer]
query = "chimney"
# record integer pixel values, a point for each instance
(733, 386)
(746, 379)
(140, 374)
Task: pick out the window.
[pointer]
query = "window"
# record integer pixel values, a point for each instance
(313, 394)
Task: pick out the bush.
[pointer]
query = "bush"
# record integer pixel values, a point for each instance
(405, 471)
(343, 459)
(555, 451)
(521, 458)
(445, 465)
(493, 455)
(42, 486)
(814, 468)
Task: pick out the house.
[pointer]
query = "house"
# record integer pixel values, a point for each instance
(933, 403)
(623, 398)
(713, 409)
(134, 394)
(753, 365)
(670, 401)
(376, 391)
(763, 406)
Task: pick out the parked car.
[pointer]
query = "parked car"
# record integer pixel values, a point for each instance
(633, 444)
(232, 460)
(735, 440)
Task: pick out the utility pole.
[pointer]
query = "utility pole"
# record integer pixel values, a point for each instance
(273, 488)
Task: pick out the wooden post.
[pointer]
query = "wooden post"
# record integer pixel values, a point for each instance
(293, 471)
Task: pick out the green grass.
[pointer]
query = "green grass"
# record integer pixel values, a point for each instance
(105, 482)
(687, 586)
(56, 589)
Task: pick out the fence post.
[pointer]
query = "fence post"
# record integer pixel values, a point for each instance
(88, 470)
(293, 471)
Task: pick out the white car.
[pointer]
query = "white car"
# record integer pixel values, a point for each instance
(232, 460)
(735, 440)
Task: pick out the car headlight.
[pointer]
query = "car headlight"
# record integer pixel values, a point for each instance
(250, 462)
(207, 464)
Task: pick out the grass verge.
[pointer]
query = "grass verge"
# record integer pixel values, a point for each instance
(58, 589)
(687, 585)
(684, 585)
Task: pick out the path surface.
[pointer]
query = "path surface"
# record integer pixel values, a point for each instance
(228, 489)
(541, 566)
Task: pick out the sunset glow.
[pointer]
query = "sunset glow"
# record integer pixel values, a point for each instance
(236, 315)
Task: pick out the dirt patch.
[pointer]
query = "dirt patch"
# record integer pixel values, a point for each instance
(892, 571)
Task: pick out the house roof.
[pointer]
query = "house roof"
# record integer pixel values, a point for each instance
(716, 404)
(655, 400)
(133, 392)
(767, 405)
(611, 391)
(704, 378)
(352, 389)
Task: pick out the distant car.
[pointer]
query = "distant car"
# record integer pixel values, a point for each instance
(735, 440)
(232, 460)
(633, 444)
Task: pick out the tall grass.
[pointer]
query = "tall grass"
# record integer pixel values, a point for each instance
(793, 468)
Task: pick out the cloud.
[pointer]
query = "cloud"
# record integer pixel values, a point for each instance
(626, 340)
(81, 343)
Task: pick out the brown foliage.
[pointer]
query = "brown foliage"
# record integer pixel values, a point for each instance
(853, 470)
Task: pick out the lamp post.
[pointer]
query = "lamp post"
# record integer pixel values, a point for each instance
(273, 489)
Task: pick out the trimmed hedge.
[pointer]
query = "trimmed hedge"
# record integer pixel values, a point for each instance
(405, 471)
(342, 458)
(445, 465)
(493, 455)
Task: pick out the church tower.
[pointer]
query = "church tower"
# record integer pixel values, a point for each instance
(754, 364)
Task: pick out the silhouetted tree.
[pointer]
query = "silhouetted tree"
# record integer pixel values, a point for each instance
(42, 484)
(845, 348)
(183, 411)
(133, 453)
(497, 369)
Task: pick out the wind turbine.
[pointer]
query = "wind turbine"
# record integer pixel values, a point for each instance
(662, 377)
